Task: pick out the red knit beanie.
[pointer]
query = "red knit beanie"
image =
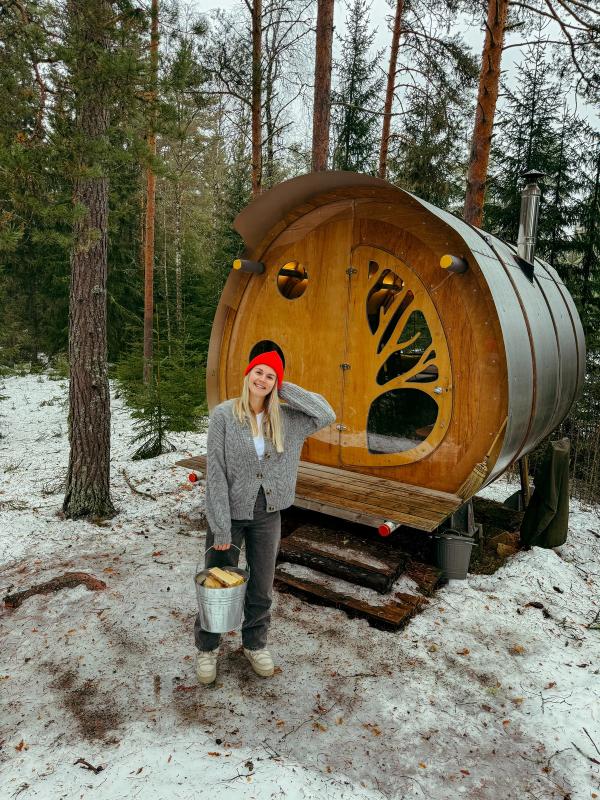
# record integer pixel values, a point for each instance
(271, 359)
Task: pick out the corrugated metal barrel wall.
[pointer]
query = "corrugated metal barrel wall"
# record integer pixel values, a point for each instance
(543, 339)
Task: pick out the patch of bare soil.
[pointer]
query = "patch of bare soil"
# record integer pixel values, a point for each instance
(96, 714)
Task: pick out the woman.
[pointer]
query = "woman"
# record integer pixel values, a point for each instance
(253, 452)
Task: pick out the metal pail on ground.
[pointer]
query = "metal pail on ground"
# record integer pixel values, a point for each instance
(453, 553)
(221, 610)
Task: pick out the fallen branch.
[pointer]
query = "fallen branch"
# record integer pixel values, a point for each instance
(585, 755)
(313, 718)
(67, 581)
(147, 495)
(592, 741)
(86, 765)
(238, 775)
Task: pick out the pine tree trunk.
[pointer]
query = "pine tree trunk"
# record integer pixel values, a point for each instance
(166, 278)
(390, 89)
(322, 97)
(256, 97)
(87, 491)
(178, 302)
(269, 125)
(150, 204)
(487, 97)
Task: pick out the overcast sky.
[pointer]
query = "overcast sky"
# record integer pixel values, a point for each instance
(380, 10)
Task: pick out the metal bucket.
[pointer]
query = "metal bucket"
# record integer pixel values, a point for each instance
(221, 610)
(453, 554)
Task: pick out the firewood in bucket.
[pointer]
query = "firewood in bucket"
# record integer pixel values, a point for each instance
(222, 579)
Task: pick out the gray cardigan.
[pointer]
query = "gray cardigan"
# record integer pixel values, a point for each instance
(234, 473)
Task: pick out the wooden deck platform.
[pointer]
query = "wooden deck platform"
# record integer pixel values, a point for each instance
(365, 499)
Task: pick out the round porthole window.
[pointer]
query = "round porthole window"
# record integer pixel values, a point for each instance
(292, 280)
(265, 346)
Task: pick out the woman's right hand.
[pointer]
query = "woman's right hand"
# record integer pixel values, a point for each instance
(221, 546)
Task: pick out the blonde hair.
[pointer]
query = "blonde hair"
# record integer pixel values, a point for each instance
(272, 428)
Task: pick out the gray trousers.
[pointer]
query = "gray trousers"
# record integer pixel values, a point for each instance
(261, 535)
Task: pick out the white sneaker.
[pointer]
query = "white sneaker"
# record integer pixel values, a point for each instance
(261, 661)
(206, 666)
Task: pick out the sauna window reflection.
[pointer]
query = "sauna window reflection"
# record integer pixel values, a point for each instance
(399, 420)
(382, 294)
(292, 280)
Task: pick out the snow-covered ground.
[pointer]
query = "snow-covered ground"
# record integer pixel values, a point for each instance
(482, 696)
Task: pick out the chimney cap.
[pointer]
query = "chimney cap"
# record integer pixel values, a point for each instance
(533, 175)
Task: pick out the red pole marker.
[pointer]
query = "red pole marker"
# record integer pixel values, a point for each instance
(387, 527)
(192, 477)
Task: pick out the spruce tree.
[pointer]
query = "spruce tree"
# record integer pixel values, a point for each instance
(355, 125)
(427, 154)
(535, 131)
(586, 245)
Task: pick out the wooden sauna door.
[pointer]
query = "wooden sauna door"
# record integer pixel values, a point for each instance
(396, 379)
(307, 326)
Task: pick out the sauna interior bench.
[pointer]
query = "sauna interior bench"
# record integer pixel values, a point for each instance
(362, 498)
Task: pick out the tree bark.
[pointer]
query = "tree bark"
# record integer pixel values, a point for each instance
(322, 96)
(166, 278)
(256, 97)
(487, 97)
(88, 476)
(177, 243)
(150, 203)
(390, 89)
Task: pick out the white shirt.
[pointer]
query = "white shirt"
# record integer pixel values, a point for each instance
(259, 441)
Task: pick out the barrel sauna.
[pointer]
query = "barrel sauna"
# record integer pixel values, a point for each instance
(445, 356)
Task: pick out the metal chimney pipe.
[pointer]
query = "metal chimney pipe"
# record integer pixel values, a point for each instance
(530, 207)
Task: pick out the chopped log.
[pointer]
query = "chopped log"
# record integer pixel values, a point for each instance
(389, 616)
(67, 581)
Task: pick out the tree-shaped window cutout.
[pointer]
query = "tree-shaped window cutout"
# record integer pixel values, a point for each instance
(403, 417)
(292, 280)
(414, 341)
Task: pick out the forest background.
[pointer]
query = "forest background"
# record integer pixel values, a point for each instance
(220, 109)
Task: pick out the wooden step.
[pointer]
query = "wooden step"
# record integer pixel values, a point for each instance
(339, 553)
(366, 499)
(389, 613)
(426, 576)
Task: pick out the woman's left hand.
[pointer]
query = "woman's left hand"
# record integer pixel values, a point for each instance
(221, 546)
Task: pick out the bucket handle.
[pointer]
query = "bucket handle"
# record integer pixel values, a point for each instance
(231, 544)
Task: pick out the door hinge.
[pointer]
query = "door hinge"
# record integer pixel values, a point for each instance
(341, 427)
(351, 271)
(345, 366)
